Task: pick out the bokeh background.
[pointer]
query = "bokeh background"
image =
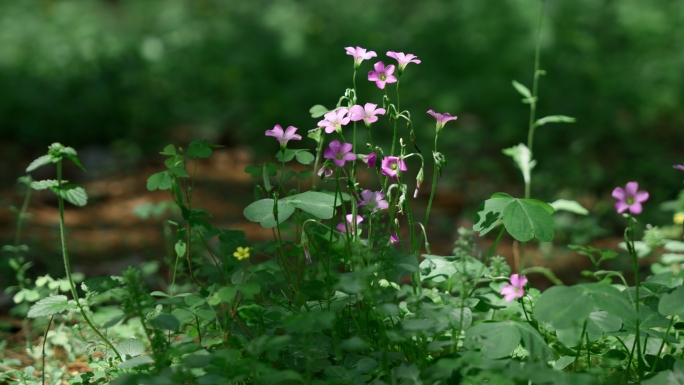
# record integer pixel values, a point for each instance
(120, 79)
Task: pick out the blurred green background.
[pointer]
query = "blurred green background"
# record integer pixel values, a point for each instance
(128, 73)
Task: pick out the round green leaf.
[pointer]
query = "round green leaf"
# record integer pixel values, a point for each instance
(262, 211)
(525, 220)
(672, 303)
(494, 339)
(563, 306)
(160, 180)
(304, 157)
(315, 203)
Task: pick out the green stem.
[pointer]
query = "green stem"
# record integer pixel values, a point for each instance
(635, 259)
(434, 186)
(662, 344)
(22, 214)
(489, 254)
(67, 266)
(579, 348)
(535, 83)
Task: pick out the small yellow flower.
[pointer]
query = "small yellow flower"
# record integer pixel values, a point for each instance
(241, 253)
(678, 218)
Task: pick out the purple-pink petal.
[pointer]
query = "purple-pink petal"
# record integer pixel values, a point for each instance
(619, 193)
(635, 208)
(631, 188)
(335, 146)
(678, 167)
(621, 206)
(641, 196)
(357, 112)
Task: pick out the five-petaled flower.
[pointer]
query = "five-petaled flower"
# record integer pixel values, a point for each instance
(359, 54)
(283, 136)
(373, 200)
(350, 225)
(515, 289)
(334, 120)
(403, 60)
(629, 198)
(369, 159)
(382, 74)
(441, 119)
(339, 152)
(391, 165)
(367, 113)
(241, 253)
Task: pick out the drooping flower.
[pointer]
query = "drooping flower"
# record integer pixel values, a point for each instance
(366, 113)
(516, 289)
(369, 159)
(679, 166)
(283, 136)
(419, 181)
(334, 120)
(325, 172)
(241, 253)
(350, 225)
(373, 200)
(359, 54)
(402, 59)
(393, 238)
(339, 152)
(305, 246)
(391, 165)
(382, 74)
(441, 119)
(629, 198)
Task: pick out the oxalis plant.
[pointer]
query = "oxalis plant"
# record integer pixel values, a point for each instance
(342, 292)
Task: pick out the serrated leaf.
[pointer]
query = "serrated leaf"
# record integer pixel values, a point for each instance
(45, 184)
(554, 119)
(41, 161)
(131, 347)
(522, 90)
(73, 194)
(569, 206)
(74, 159)
(523, 159)
(317, 111)
(262, 211)
(161, 180)
(49, 306)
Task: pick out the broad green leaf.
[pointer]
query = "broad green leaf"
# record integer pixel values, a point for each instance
(671, 245)
(668, 377)
(254, 171)
(672, 303)
(523, 159)
(285, 156)
(169, 150)
(49, 306)
(525, 220)
(41, 161)
(563, 362)
(161, 180)
(166, 322)
(304, 157)
(494, 339)
(262, 211)
(570, 206)
(100, 284)
(554, 119)
(670, 258)
(177, 171)
(73, 194)
(605, 321)
(315, 203)
(610, 299)
(135, 361)
(490, 211)
(45, 184)
(317, 111)
(131, 347)
(435, 268)
(199, 148)
(564, 307)
(533, 341)
(522, 90)
(547, 207)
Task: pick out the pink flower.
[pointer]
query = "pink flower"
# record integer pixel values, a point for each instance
(367, 113)
(369, 159)
(391, 165)
(373, 200)
(516, 288)
(325, 172)
(679, 166)
(339, 152)
(382, 75)
(441, 119)
(359, 54)
(334, 120)
(350, 225)
(629, 198)
(402, 59)
(394, 238)
(283, 137)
